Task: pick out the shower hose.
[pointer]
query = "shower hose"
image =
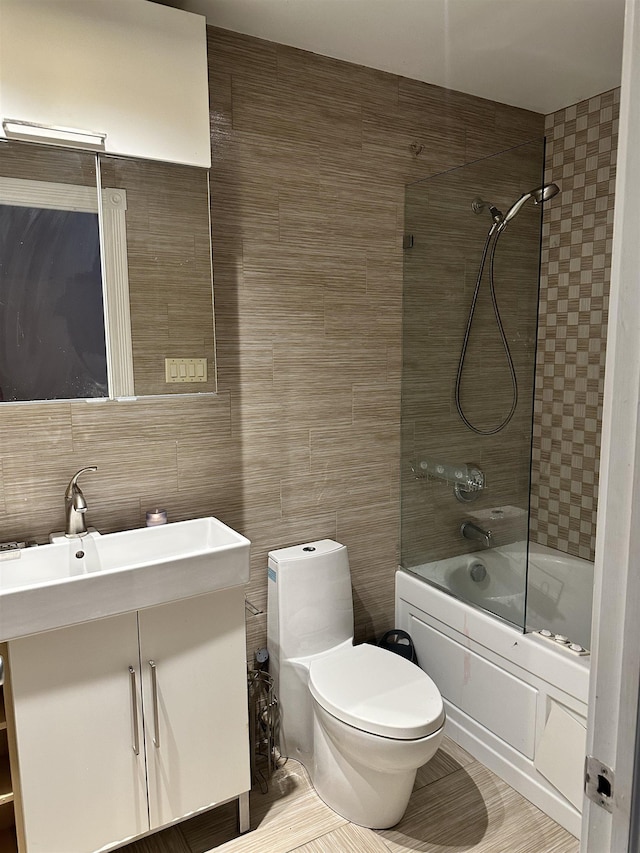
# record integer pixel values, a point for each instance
(490, 249)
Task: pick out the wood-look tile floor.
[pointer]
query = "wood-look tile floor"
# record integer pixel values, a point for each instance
(457, 805)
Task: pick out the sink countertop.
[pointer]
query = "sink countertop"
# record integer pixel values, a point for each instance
(78, 580)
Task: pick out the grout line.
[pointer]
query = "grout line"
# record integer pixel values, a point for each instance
(316, 838)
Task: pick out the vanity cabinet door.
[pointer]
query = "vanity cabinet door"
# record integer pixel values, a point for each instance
(83, 786)
(196, 720)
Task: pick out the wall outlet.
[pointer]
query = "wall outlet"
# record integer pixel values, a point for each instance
(185, 369)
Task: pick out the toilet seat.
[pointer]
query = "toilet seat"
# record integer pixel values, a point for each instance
(377, 691)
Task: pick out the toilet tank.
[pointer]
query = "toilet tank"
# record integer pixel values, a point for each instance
(310, 608)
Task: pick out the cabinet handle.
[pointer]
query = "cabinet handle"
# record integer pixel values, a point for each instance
(134, 709)
(156, 718)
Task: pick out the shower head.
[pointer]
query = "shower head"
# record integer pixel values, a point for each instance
(540, 194)
(545, 192)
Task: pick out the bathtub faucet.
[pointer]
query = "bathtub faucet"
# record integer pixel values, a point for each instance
(478, 534)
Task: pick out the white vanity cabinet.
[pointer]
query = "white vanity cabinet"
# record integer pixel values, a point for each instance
(128, 723)
(131, 72)
(196, 727)
(82, 786)
(7, 819)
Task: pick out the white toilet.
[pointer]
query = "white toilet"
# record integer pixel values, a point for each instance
(360, 718)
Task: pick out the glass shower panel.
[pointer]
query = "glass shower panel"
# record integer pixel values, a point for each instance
(452, 475)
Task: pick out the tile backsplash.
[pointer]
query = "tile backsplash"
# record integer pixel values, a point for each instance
(574, 289)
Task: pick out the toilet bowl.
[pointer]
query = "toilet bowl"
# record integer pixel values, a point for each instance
(360, 718)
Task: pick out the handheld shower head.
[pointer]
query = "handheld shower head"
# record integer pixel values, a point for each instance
(539, 194)
(545, 192)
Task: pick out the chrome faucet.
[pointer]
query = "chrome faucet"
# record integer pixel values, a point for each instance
(472, 531)
(75, 507)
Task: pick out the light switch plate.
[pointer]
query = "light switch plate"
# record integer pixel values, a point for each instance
(185, 369)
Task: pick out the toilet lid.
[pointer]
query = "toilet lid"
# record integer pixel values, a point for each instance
(378, 692)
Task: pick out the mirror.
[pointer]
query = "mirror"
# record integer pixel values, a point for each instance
(105, 276)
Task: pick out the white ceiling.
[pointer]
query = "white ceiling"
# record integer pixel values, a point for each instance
(538, 54)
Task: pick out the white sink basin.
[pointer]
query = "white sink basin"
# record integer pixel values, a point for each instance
(82, 579)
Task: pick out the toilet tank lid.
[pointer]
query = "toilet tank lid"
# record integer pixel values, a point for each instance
(307, 549)
(377, 691)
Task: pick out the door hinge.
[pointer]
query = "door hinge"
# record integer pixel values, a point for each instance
(407, 241)
(599, 783)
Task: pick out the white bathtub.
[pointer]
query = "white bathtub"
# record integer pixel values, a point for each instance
(515, 701)
(559, 593)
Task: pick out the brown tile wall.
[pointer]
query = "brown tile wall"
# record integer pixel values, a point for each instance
(574, 289)
(310, 159)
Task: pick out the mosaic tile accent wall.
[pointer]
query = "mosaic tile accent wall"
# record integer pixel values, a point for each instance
(574, 289)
